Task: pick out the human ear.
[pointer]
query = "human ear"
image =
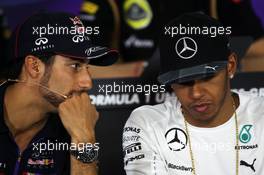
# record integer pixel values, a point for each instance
(232, 65)
(32, 66)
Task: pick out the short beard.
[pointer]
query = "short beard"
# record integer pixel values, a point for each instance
(48, 95)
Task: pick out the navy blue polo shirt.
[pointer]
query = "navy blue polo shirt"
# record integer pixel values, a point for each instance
(50, 161)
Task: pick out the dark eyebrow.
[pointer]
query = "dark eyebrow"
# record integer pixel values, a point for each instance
(73, 60)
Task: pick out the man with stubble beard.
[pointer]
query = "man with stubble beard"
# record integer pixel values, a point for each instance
(44, 100)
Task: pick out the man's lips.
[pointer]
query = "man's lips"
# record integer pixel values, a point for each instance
(201, 108)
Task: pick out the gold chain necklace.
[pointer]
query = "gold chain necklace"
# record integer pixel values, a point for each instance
(236, 148)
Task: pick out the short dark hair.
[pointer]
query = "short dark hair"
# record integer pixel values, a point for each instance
(12, 69)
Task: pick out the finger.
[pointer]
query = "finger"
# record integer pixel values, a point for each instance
(75, 99)
(63, 105)
(86, 97)
(97, 115)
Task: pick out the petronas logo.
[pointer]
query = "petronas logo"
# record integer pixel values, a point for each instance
(244, 135)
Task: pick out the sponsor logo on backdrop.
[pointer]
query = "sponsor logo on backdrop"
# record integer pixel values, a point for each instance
(137, 13)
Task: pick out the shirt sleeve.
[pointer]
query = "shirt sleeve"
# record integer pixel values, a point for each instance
(141, 156)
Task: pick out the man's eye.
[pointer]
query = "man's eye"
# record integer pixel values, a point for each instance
(188, 83)
(76, 66)
(208, 78)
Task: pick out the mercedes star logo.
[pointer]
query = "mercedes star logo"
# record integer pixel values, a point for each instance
(186, 47)
(176, 139)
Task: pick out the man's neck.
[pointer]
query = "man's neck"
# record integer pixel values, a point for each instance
(24, 111)
(225, 113)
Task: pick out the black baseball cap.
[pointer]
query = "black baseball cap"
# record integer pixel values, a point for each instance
(193, 46)
(62, 34)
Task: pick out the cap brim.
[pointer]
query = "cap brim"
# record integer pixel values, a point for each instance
(98, 55)
(191, 73)
(104, 57)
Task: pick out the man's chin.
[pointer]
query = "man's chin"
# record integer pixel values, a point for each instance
(56, 104)
(54, 111)
(54, 101)
(203, 116)
(53, 108)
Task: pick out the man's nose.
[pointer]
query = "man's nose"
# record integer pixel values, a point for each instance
(197, 90)
(85, 80)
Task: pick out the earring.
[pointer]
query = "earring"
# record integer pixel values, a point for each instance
(231, 76)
